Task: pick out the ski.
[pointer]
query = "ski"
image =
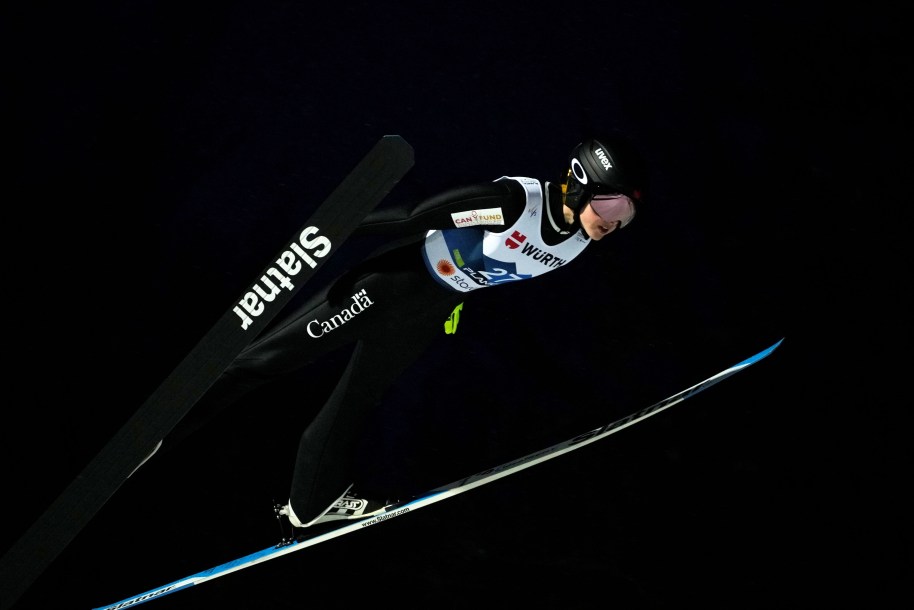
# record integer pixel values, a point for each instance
(308, 249)
(291, 545)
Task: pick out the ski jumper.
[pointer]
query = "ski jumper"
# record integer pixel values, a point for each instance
(390, 307)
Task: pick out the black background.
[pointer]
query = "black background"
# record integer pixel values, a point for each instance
(159, 154)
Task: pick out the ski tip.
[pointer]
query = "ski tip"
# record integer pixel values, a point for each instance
(397, 144)
(762, 354)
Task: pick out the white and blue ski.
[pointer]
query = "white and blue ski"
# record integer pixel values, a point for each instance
(440, 493)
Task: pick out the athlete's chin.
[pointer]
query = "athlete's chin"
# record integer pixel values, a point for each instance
(596, 234)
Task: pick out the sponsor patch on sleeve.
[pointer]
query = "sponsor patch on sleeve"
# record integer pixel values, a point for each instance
(470, 218)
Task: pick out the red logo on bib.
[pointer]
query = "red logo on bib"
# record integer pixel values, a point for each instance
(517, 235)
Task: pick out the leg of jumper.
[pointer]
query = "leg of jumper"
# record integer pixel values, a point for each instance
(281, 350)
(325, 466)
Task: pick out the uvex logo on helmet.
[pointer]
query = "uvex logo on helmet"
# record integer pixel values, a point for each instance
(578, 169)
(608, 165)
(604, 160)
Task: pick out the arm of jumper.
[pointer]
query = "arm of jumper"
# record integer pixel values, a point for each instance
(437, 212)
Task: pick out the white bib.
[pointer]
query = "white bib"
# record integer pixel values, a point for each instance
(472, 257)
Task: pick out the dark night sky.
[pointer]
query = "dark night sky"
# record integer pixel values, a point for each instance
(159, 154)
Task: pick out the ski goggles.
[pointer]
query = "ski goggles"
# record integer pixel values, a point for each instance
(574, 192)
(613, 208)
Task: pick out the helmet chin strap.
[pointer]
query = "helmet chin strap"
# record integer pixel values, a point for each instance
(568, 228)
(575, 213)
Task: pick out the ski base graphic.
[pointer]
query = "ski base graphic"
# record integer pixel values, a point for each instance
(440, 493)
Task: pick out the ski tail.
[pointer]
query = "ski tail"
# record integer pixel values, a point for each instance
(439, 493)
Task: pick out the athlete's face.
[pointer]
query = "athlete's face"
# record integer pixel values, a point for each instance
(605, 213)
(595, 227)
